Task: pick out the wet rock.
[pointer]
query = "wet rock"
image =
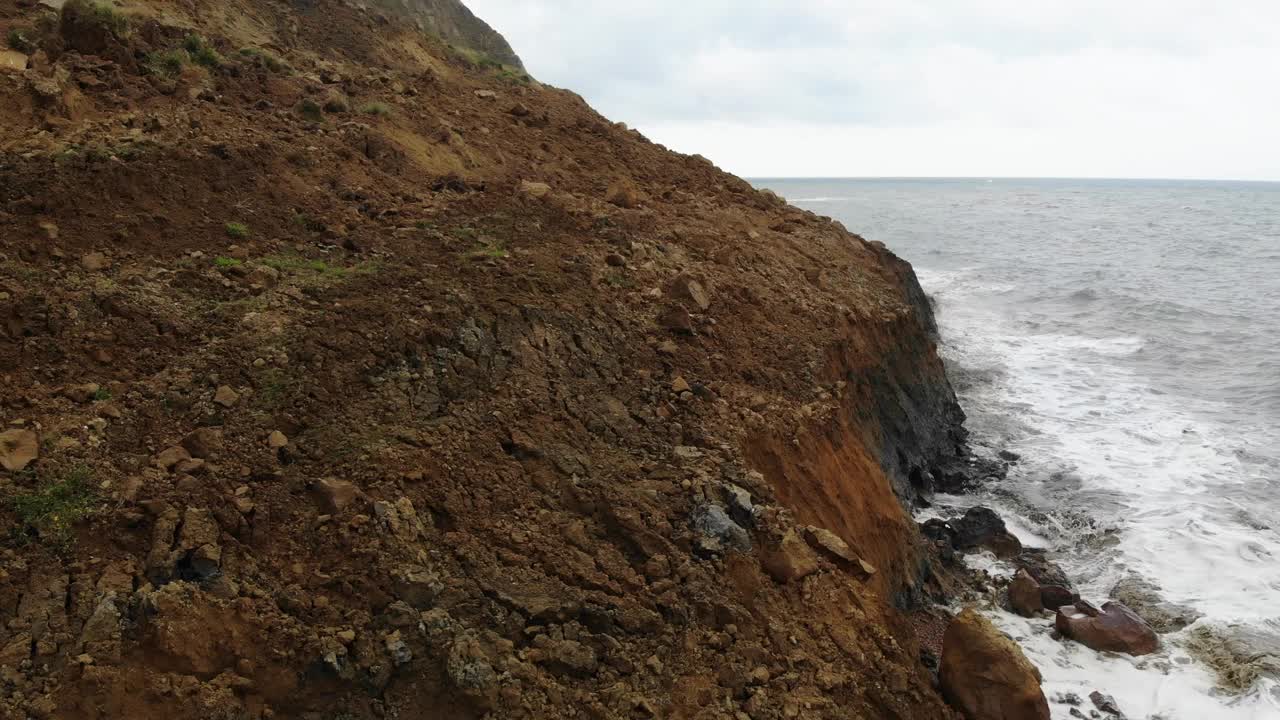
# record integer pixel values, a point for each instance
(1106, 704)
(1114, 627)
(623, 193)
(985, 675)
(18, 449)
(1056, 589)
(1144, 598)
(790, 559)
(1238, 654)
(1024, 595)
(717, 532)
(982, 527)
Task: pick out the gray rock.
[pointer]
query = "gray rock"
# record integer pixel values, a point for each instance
(1106, 704)
(716, 531)
(741, 509)
(1144, 598)
(1239, 654)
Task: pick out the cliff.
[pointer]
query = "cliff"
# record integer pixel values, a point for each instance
(455, 23)
(344, 377)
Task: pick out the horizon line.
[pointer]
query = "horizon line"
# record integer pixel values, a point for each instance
(1007, 177)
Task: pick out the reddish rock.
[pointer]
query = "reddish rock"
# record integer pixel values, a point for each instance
(677, 320)
(167, 459)
(685, 288)
(203, 442)
(1024, 595)
(623, 193)
(1114, 627)
(985, 675)
(335, 495)
(791, 559)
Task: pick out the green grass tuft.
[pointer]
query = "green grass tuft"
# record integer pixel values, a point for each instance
(201, 53)
(269, 61)
(168, 63)
(236, 230)
(100, 13)
(101, 395)
(310, 110)
(226, 262)
(18, 40)
(376, 108)
(53, 509)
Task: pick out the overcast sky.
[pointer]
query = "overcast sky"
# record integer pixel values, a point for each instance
(1063, 88)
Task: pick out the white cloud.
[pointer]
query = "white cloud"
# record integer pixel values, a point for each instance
(1131, 88)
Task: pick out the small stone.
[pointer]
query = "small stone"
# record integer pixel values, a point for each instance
(167, 459)
(203, 442)
(667, 347)
(486, 95)
(191, 466)
(828, 542)
(680, 385)
(346, 637)
(18, 448)
(623, 193)
(82, 393)
(615, 260)
(335, 495)
(519, 110)
(685, 288)
(226, 397)
(277, 440)
(677, 320)
(534, 189)
(94, 262)
(1106, 704)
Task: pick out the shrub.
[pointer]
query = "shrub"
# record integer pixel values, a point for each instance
(269, 61)
(53, 509)
(101, 395)
(18, 40)
(236, 230)
(226, 262)
(201, 53)
(168, 63)
(310, 110)
(376, 108)
(99, 13)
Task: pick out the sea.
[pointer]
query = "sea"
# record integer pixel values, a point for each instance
(1122, 338)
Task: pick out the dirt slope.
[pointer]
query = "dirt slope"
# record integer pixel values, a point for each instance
(369, 382)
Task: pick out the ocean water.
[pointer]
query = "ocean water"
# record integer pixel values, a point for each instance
(1123, 338)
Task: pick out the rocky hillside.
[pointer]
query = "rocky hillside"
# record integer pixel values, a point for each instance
(347, 376)
(456, 24)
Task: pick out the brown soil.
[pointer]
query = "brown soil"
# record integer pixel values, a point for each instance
(496, 368)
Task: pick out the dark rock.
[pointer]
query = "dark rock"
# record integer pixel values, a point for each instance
(1056, 589)
(741, 509)
(1106, 704)
(1113, 628)
(982, 527)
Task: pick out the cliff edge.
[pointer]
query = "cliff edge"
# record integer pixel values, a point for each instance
(344, 376)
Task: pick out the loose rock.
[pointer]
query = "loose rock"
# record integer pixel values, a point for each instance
(985, 675)
(1024, 595)
(791, 559)
(18, 449)
(1114, 627)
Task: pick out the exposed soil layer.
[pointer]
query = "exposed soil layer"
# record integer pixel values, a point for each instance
(368, 381)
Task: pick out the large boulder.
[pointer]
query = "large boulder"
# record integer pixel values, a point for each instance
(1024, 595)
(981, 527)
(985, 675)
(1114, 628)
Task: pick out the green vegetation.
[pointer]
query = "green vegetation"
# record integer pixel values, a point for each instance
(101, 395)
(226, 262)
(376, 108)
(201, 53)
(168, 63)
(236, 230)
(493, 250)
(266, 59)
(310, 110)
(53, 509)
(296, 263)
(99, 13)
(18, 40)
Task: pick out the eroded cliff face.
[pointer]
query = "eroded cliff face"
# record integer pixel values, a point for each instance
(364, 381)
(455, 23)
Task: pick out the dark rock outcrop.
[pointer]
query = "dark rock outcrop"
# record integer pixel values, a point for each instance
(1144, 598)
(1056, 589)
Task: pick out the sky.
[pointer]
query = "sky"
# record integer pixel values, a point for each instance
(931, 88)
